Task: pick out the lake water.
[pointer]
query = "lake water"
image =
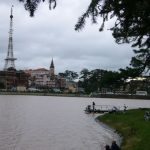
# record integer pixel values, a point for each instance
(54, 123)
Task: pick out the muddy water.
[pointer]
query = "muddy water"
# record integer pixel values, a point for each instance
(54, 123)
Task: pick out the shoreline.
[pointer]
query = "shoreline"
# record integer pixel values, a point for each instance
(140, 97)
(116, 136)
(42, 94)
(131, 126)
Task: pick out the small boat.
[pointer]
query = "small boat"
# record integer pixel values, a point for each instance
(101, 109)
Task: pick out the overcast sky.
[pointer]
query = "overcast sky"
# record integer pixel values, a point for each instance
(51, 34)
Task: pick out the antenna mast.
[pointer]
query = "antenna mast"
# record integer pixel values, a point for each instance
(10, 60)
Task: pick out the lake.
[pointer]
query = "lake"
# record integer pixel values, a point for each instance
(55, 123)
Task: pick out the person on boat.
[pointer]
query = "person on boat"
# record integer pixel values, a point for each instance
(93, 106)
(89, 108)
(114, 146)
(107, 147)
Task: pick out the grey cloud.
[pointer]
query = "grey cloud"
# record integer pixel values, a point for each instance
(51, 34)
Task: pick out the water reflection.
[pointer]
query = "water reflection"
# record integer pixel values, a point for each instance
(56, 123)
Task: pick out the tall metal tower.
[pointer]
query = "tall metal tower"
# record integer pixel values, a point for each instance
(10, 60)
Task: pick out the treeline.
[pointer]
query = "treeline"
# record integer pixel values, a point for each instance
(99, 80)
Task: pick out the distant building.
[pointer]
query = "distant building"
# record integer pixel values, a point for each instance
(12, 79)
(71, 87)
(37, 72)
(43, 78)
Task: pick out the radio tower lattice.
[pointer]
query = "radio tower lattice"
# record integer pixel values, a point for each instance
(10, 60)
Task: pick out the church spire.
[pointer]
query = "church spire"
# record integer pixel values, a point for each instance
(52, 64)
(52, 70)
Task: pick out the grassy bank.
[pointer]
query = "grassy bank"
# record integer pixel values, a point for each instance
(132, 126)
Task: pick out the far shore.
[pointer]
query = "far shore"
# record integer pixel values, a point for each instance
(78, 95)
(42, 94)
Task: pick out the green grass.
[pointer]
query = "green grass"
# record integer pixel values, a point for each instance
(132, 126)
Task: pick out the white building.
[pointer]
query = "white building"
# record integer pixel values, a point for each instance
(42, 77)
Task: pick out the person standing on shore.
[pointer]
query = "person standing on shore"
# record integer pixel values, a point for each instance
(114, 146)
(93, 106)
(107, 147)
(125, 108)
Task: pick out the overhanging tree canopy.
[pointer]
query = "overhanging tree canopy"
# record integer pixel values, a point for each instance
(132, 21)
(132, 18)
